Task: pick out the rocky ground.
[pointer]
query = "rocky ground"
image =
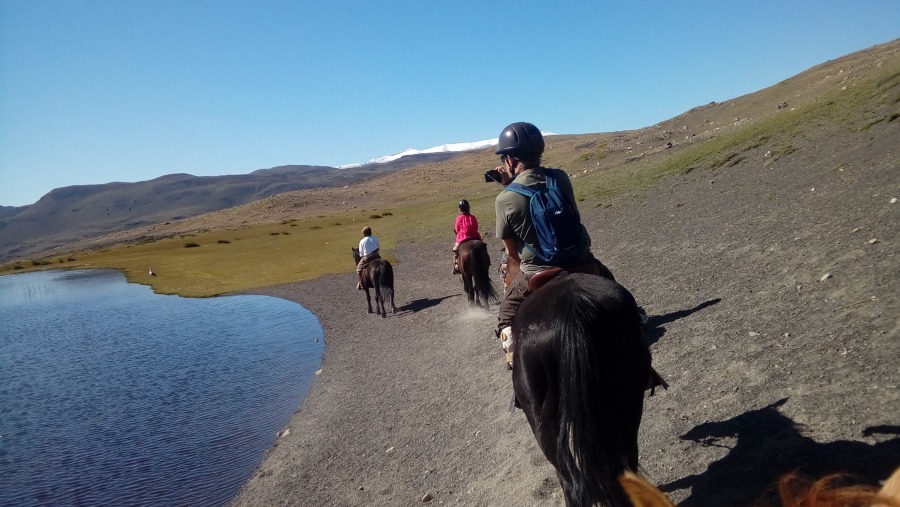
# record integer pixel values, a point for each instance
(772, 291)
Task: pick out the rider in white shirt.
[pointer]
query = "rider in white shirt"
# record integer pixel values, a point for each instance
(368, 250)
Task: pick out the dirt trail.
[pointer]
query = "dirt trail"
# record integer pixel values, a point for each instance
(773, 297)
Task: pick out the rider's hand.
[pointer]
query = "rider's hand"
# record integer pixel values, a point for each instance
(505, 177)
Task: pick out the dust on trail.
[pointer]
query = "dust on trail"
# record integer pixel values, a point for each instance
(477, 314)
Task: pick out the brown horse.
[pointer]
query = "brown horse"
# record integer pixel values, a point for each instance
(580, 372)
(474, 267)
(379, 275)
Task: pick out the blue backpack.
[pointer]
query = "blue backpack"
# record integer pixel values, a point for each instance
(559, 231)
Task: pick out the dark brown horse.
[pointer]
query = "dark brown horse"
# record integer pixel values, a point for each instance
(379, 275)
(581, 367)
(474, 267)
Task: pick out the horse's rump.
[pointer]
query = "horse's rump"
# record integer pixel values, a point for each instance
(580, 371)
(380, 273)
(474, 266)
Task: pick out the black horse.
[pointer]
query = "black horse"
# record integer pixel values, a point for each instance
(474, 267)
(379, 275)
(581, 367)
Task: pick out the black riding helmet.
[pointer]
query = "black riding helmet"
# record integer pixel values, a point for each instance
(520, 139)
(464, 206)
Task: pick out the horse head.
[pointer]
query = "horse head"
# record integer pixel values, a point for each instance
(751, 424)
(356, 256)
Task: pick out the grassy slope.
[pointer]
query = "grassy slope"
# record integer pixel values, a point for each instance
(301, 235)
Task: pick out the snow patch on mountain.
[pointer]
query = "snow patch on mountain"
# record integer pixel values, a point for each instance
(444, 148)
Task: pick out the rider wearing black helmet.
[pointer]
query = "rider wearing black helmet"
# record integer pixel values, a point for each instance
(520, 147)
(466, 228)
(523, 141)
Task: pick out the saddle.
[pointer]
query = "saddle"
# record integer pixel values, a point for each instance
(539, 279)
(369, 258)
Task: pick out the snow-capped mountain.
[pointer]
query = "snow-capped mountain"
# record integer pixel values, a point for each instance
(444, 148)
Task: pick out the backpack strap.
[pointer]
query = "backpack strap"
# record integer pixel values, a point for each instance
(527, 192)
(551, 180)
(521, 189)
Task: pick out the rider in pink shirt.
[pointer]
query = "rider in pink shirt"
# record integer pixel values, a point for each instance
(466, 228)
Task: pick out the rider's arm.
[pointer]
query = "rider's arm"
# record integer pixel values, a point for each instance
(511, 251)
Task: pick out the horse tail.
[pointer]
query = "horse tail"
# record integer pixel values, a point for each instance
(602, 366)
(480, 257)
(386, 281)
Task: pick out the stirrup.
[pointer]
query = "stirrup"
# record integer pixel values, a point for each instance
(505, 337)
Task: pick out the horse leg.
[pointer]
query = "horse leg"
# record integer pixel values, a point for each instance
(377, 282)
(470, 290)
(386, 282)
(379, 301)
(368, 297)
(477, 295)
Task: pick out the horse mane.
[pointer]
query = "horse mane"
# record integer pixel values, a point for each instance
(795, 490)
(587, 333)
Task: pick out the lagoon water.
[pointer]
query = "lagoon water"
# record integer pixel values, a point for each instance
(113, 395)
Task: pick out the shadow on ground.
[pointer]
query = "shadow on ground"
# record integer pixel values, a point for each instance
(417, 305)
(765, 444)
(655, 329)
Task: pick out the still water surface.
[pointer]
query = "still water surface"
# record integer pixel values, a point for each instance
(113, 395)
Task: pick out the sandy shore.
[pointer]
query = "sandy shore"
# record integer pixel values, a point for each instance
(774, 318)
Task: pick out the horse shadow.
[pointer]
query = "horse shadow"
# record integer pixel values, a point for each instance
(768, 445)
(655, 328)
(417, 305)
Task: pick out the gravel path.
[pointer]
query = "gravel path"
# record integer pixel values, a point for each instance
(773, 297)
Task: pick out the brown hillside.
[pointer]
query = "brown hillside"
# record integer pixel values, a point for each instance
(857, 91)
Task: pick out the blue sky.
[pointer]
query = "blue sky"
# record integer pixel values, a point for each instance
(96, 91)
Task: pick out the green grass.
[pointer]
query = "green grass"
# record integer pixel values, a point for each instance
(775, 132)
(226, 261)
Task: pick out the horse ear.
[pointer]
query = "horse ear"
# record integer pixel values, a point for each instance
(642, 493)
(891, 488)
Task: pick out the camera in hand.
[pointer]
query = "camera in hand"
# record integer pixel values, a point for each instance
(492, 176)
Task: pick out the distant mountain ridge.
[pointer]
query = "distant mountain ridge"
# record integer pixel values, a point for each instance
(81, 214)
(77, 212)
